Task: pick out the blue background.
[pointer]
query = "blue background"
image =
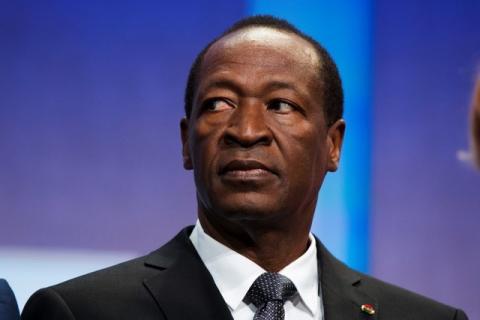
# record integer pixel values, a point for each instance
(91, 94)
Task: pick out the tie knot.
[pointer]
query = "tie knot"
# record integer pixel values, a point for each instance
(270, 286)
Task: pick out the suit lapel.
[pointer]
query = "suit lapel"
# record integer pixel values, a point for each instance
(184, 280)
(341, 293)
(184, 289)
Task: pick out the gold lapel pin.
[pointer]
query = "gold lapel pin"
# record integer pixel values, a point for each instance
(368, 309)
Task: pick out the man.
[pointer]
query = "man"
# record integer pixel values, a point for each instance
(8, 303)
(263, 126)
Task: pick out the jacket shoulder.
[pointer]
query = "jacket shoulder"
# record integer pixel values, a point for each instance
(117, 291)
(396, 302)
(340, 283)
(107, 280)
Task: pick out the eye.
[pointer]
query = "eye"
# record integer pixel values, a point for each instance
(217, 105)
(282, 106)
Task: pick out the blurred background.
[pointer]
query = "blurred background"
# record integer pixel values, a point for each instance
(91, 94)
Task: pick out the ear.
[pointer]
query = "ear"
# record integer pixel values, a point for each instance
(187, 159)
(334, 143)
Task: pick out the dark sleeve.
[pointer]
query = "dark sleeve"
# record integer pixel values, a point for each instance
(8, 303)
(46, 304)
(460, 315)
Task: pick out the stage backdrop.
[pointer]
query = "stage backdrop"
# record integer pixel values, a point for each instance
(91, 94)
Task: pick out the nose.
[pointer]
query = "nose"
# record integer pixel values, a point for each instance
(247, 126)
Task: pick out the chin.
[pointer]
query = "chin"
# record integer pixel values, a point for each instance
(248, 207)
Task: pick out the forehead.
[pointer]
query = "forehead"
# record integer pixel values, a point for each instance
(266, 46)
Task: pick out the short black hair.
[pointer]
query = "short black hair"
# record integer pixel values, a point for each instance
(329, 76)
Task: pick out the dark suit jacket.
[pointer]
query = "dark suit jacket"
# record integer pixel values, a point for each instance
(172, 283)
(8, 303)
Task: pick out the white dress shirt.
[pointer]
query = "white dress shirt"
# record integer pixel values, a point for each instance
(234, 274)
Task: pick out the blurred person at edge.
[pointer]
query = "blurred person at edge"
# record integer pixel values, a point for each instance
(475, 125)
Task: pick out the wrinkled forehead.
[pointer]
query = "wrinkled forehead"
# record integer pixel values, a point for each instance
(267, 38)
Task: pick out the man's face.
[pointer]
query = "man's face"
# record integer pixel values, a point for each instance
(257, 137)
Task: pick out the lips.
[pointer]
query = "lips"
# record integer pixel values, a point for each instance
(245, 168)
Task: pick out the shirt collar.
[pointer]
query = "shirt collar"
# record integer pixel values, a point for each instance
(234, 274)
(304, 274)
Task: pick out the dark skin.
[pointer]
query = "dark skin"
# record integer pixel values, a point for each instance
(259, 144)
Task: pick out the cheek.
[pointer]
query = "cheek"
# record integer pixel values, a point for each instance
(307, 151)
(205, 139)
(302, 136)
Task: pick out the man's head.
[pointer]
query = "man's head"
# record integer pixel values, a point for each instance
(328, 75)
(260, 133)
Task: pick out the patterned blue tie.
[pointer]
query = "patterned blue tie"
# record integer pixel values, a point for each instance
(268, 293)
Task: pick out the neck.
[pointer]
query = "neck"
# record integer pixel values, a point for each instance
(271, 246)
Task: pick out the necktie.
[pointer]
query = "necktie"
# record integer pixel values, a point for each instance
(268, 293)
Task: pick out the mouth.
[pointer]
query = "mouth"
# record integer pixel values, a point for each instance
(245, 170)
